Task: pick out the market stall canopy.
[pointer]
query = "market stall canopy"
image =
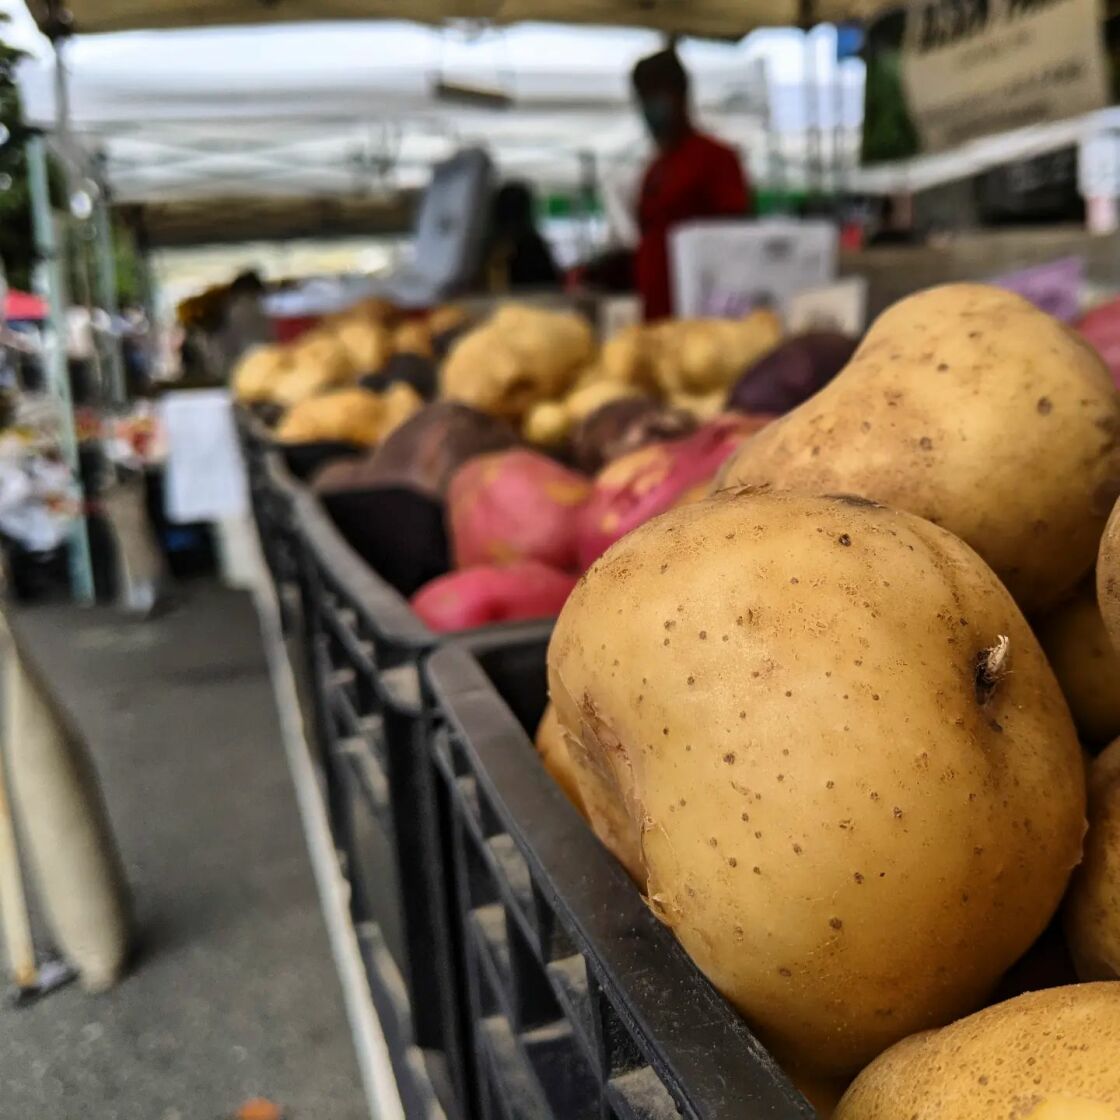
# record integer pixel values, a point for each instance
(233, 220)
(364, 111)
(721, 19)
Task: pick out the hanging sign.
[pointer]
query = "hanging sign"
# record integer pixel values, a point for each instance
(971, 68)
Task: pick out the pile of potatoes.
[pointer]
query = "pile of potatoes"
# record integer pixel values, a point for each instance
(544, 372)
(337, 353)
(834, 720)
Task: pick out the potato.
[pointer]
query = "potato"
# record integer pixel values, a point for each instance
(491, 593)
(413, 336)
(422, 454)
(257, 373)
(623, 426)
(1086, 665)
(553, 750)
(401, 402)
(347, 415)
(518, 358)
(791, 372)
(970, 407)
(1108, 576)
(691, 357)
(515, 505)
(549, 423)
(317, 362)
(1052, 1055)
(367, 344)
(1092, 911)
(822, 737)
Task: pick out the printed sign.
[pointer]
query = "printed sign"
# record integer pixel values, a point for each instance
(725, 270)
(975, 67)
(205, 477)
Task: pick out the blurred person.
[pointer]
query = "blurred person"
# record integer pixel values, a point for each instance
(692, 176)
(518, 256)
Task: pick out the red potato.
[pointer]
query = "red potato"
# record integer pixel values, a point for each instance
(492, 593)
(638, 486)
(515, 505)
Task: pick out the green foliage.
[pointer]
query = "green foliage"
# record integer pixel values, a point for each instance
(15, 202)
(17, 242)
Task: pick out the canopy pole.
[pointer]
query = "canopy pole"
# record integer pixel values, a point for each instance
(814, 162)
(107, 294)
(53, 284)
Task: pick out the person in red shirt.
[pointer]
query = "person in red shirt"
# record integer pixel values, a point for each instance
(692, 176)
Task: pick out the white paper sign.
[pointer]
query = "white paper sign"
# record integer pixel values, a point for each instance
(205, 477)
(971, 68)
(726, 269)
(839, 306)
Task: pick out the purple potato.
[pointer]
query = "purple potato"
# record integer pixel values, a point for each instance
(423, 453)
(622, 426)
(791, 373)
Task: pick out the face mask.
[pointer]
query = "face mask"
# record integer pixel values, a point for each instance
(657, 111)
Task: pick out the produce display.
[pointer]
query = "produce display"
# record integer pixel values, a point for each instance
(955, 398)
(794, 689)
(338, 352)
(1092, 913)
(791, 715)
(1044, 1056)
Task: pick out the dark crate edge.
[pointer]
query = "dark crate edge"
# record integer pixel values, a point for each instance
(582, 879)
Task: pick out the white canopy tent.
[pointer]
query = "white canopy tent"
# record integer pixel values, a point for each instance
(326, 110)
(720, 19)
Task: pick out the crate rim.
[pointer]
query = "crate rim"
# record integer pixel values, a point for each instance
(704, 1060)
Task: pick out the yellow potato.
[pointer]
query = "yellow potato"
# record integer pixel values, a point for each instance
(258, 372)
(347, 415)
(400, 403)
(1092, 912)
(970, 407)
(1051, 1055)
(1086, 665)
(702, 406)
(317, 362)
(517, 359)
(447, 317)
(367, 345)
(822, 737)
(582, 402)
(1108, 576)
(414, 336)
(555, 758)
(712, 353)
(547, 424)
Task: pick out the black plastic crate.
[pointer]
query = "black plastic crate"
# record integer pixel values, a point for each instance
(582, 1004)
(364, 646)
(356, 649)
